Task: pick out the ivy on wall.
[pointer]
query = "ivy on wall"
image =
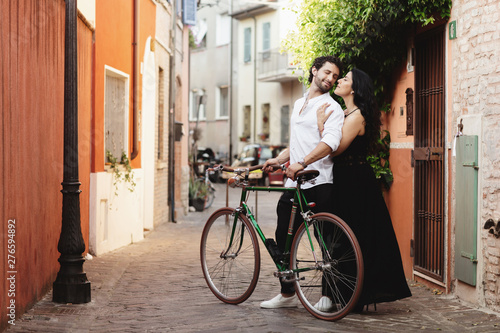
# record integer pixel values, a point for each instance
(368, 34)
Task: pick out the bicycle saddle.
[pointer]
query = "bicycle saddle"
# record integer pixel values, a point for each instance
(306, 175)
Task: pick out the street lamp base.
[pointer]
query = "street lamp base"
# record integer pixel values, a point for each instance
(71, 293)
(71, 284)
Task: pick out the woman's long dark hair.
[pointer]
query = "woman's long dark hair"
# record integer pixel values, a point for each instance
(364, 99)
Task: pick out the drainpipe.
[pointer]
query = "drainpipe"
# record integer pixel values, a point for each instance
(255, 81)
(135, 113)
(230, 92)
(171, 162)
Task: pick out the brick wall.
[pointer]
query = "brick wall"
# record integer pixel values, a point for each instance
(162, 195)
(161, 205)
(162, 58)
(476, 92)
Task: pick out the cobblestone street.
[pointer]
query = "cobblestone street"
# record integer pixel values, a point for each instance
(157, 285)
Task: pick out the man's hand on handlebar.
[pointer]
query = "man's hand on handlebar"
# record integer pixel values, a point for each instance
(270, 165)
(292, 170)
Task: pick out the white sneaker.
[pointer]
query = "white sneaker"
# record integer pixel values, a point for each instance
(280, 302)
(325, 304)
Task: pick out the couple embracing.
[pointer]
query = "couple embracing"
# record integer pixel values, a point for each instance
(337, 142)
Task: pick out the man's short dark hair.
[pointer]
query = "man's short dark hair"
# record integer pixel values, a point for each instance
(320, 61)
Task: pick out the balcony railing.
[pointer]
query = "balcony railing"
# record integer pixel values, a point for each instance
(276, 67)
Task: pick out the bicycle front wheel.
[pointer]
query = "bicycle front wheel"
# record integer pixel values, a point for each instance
(327, 261)
(230, 257)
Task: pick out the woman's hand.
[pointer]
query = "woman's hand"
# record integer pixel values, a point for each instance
(322, 115)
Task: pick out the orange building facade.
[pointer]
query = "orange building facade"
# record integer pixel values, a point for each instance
(139, 93)
(117, 208)
(118, 111)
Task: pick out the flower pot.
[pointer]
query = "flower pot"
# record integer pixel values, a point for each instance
(199, 204)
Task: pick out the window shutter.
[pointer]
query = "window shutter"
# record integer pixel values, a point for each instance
(248, 44)
(115, 109)
(266, 40)
(189, 12)
(266, 36)
(285, 124)
(466, 209)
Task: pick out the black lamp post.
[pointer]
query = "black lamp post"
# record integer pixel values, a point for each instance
(71, 285)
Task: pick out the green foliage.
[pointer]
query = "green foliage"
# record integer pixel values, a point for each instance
(192, 43)
(367, 34)
(197, 188)
(380, 161)
(123, 173)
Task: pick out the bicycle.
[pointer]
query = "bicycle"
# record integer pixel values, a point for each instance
(323, 259)
(202, 188)
(210, 188)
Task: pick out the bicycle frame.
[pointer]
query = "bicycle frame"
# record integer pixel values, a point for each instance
(323, 259)
(298, 202)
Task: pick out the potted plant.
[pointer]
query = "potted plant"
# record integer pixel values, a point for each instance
(198, 192)
(122, 170)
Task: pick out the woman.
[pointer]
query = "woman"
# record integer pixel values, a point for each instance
(358, 197)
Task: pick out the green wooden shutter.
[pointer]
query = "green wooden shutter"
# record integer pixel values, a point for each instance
(247, 44)
(266, 36)
(466, 209)
(266, 40)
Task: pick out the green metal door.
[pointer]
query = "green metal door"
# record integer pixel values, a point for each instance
(466, 209)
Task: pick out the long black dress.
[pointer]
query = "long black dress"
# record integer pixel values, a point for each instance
(358, 201)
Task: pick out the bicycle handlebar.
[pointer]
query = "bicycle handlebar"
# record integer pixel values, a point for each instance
(304, 174)
(238, 171)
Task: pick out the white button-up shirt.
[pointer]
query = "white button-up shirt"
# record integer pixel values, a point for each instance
(305, 136)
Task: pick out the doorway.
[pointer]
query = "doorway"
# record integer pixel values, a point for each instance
(428, 155)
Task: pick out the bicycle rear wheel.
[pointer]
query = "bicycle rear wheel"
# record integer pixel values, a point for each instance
(230, 256)
(328, 262)
(210, 196)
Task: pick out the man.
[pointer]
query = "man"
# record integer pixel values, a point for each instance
(308, 150)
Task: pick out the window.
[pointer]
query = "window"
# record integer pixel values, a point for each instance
(266, 40)
(285, 124)
(247, 120)
(222, 30)
(199, 32)
(189, 12)
(116, 110)
(192, 105)
(222, 101)
(247, 57)
(197, 101)
(178, 7)
(266, 108)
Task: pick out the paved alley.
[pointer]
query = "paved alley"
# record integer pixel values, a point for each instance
(157, 285)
